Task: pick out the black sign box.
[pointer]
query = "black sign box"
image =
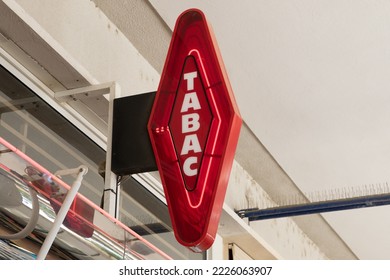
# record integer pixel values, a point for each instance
(131, 148)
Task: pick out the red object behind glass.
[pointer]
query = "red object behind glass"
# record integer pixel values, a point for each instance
(194, 128)
(79, 219)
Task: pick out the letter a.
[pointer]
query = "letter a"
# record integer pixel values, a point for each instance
(191, 143)
(190, 101)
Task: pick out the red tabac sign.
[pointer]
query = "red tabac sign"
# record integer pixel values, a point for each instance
(194, 128)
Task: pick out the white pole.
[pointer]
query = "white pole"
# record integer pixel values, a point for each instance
(82, 170)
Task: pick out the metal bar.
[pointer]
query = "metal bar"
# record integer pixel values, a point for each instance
(112, 199)
(315, 207)
(83, 92)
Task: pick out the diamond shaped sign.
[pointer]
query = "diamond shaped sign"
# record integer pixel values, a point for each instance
(194, 128)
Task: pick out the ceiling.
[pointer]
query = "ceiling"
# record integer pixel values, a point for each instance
(311, 80)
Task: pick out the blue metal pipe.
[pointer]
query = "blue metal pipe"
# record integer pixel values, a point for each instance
(315, 207)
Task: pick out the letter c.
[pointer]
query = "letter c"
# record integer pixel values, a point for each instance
(187, 166)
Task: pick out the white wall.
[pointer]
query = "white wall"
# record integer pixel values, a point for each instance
(87, 35)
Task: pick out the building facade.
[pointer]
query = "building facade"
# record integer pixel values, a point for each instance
(62, 65)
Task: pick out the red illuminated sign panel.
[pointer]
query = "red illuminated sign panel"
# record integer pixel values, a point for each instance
(194, 128)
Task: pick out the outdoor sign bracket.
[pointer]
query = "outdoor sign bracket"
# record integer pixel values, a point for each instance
(85, 103)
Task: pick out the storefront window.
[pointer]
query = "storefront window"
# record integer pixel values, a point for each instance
(39, 131)
(44, 135)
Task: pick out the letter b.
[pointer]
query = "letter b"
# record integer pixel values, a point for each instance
(190, 123)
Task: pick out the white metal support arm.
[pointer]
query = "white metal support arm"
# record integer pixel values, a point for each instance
(86, 104)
